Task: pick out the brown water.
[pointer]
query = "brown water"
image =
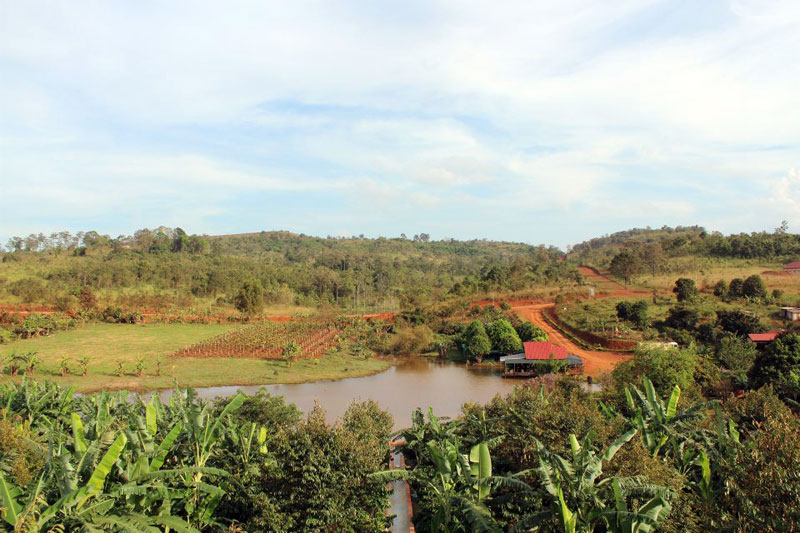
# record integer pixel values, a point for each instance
(402, 388)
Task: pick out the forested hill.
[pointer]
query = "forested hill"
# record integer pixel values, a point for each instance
(682, 241)
(170, 266)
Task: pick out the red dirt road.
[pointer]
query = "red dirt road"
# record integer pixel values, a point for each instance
(595, 363)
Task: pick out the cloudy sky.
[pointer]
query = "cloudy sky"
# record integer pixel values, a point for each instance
(535, 121)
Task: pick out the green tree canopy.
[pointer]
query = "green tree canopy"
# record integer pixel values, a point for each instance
(476, 341)
(528, 331)
(250, 299)
(504, 337)
(625, 265)
(754, 287)
(685, 289)
(779, 366)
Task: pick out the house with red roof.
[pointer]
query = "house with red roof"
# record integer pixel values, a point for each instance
(531, 361)
(792, 268)
(765, 338)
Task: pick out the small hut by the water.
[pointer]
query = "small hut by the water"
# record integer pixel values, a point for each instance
(540, 357)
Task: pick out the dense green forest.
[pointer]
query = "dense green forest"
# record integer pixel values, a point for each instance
(156, 268)
(679, 241)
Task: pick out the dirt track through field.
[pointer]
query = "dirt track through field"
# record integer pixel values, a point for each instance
(595, 363)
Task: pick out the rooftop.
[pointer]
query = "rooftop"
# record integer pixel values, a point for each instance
(767, 336)
(543, 350)
(794, 265)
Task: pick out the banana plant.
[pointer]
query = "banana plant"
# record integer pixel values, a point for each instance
(458, 495)
(661, 423)
(82, 502)
(580, 497)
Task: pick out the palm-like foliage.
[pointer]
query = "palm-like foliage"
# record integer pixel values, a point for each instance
(581, 499)
(114, 464)
(665, 430)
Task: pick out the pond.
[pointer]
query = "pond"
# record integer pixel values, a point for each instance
(409, 384)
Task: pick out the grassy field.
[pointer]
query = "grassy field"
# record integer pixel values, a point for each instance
(107, 344)
(707, 271)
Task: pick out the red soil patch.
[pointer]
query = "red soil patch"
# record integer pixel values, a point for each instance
(775, 273)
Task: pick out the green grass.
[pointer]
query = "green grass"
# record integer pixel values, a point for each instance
(105, 344)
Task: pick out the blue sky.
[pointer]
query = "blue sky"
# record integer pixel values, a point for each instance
(541, 122)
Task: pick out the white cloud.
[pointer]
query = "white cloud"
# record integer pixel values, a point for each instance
(536, 105)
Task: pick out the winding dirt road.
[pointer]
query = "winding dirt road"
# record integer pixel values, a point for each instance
(595, 363)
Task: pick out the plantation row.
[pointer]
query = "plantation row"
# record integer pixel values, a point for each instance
(268, 340)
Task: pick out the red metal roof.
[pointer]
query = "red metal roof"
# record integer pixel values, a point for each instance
(543, 350)
(794, 265)
(768, 336)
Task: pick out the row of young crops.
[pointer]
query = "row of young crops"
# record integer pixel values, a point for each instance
(268, 340)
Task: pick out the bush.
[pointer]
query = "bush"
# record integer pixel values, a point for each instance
(721, 289)
(779, 366)
(504, 337)
(633, 312)
(87, 299)
(685, 289)
(753, 287)
(762, 479)
(250, 299)
(738, 322)
(29, 290)
(736, 288)
(665, 367)
(737, 355)
(683, 318)
(528, 331)
(412, 340)
(116, 315)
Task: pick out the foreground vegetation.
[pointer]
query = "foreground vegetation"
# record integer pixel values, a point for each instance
(648, 453)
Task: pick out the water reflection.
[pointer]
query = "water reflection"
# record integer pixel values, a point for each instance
(402, 388)
(412, 383)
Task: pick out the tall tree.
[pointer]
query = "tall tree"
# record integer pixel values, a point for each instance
(250, 299)
(625, 265)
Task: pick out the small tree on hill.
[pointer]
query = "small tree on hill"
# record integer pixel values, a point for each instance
(635, 312)
(476, 341)
(736, 288)
(625, 265)
(504, 337)
(753, 287)
(721, 289)
(686, 290)
(250, 299)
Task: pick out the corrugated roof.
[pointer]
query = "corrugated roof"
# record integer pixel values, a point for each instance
(792, 266)
(543, 350)
(767, 336)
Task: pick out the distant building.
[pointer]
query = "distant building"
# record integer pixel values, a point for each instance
(765, 338)
(792, 268)
(790, 313)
